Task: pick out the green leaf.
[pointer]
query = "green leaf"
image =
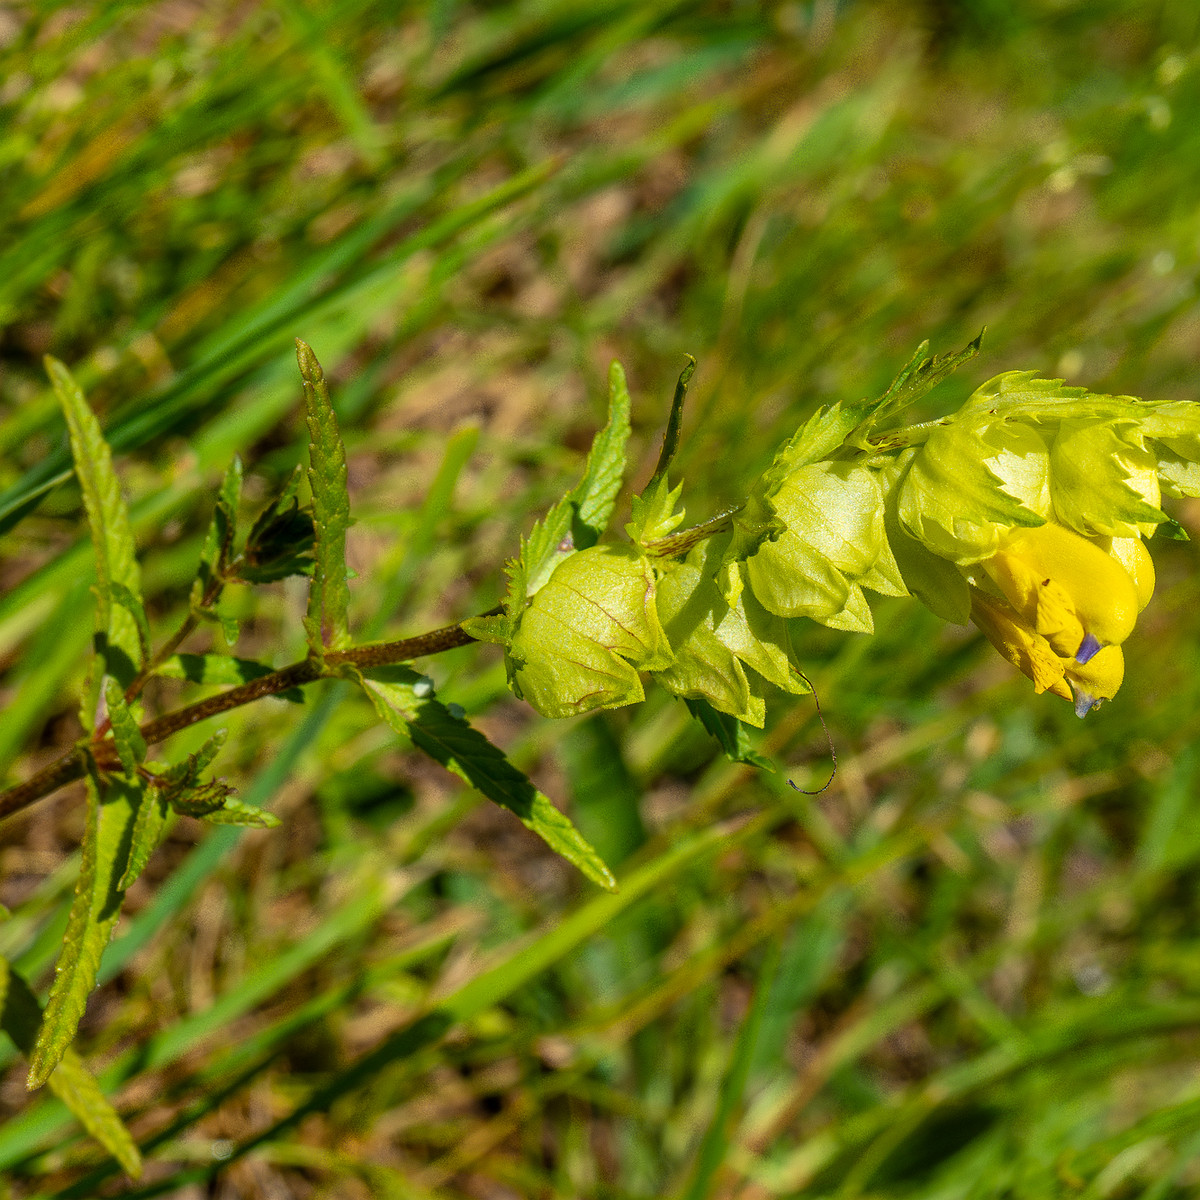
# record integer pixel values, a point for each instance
(854, 424)
(653, 513)
(97, 905)
(234, 812)
(1171, 529)
(281, 540)
(118, 642)
(133, 606)
(181, 787)
(1024, 395)
(220, 669)
(229, 626)
(674, 421)
(400, 699)
(730, 733)
(148, 828)
(70, 1081)
(579, 519)
(328, 597)
(220, 539)
(131, 746)
(190, 769)
(198, 797)
(919, 376)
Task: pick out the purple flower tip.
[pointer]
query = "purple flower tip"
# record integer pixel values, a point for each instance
(1084, 703)
(1088, 648)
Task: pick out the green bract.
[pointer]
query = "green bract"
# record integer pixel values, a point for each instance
(724, 653)
(585, 635)
(832, 546)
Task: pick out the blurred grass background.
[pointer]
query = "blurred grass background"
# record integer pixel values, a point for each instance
(968, 969)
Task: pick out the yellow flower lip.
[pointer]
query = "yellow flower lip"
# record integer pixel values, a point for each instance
(1097, 680)
(1086, 681)
(1066, 589)
(1026, 649)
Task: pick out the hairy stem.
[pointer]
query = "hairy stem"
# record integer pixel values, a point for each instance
(71, 766)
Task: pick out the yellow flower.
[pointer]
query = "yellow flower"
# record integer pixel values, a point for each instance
(1072, 593)
(1065, 606)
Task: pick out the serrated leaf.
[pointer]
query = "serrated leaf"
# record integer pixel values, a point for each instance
(1103, 479)
(198, 798)
(234, 812)
(653, 513)
(1026, 396)
(181, 786)
(854, 423)
(131, 746)
(329, 597)
(191, 767)
(730, 733)
(133, 606)
(117, 640)
(220, 540)
(1171, 529)
(97, 905)
(220, 669)
(579, 519)
(281, 540)
(919, 376)
(462, 749)
(70, 1081)
(148, 828)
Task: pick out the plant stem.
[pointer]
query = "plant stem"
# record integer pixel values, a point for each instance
(71, 766)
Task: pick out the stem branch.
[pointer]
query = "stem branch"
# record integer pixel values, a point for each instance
(71, 766)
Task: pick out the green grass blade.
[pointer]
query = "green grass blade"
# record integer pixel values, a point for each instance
(462, 749)
(523, 963)
(605, 796)
(420, 542)
(329, 596)
(715, 1144)
(94, 913)
(70, 1081)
